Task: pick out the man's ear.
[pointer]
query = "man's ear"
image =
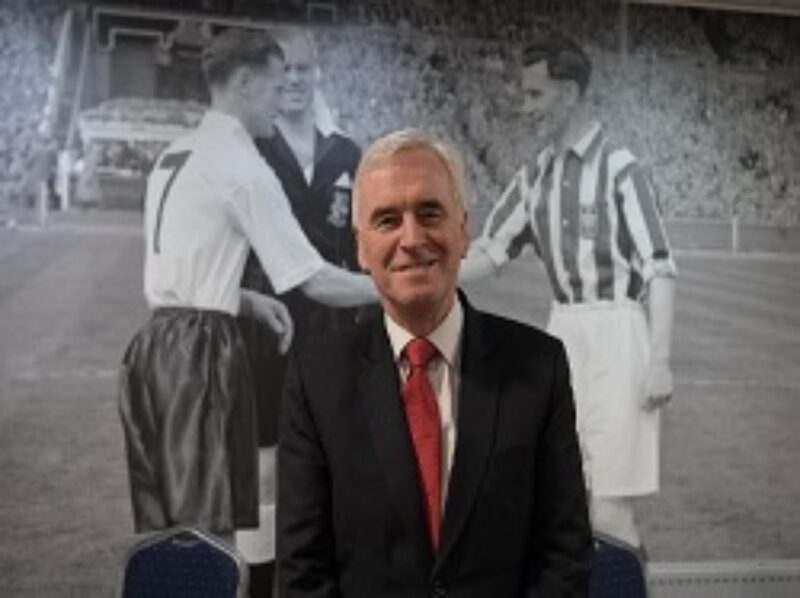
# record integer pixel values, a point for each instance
(571, 93)
(465, 232)
(240, 81)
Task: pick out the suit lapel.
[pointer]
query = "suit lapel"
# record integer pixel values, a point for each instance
(379, 387)
(323, 147)
(477, 412)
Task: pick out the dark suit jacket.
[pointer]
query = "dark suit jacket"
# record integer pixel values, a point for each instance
(350, 519)
(322, 208)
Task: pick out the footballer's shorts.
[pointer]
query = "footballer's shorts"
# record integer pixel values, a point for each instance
(608, 348)
(188, 412)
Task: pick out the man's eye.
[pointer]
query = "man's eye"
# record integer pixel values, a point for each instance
(430, 214)
(533, 93)
(385, 221)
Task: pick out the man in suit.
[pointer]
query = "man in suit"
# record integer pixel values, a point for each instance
(432, 450)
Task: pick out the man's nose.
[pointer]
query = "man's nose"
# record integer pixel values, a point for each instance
(412, 234)
(529, 106)
(291, 74)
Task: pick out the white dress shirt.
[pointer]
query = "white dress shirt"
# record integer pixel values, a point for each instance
(443, 373)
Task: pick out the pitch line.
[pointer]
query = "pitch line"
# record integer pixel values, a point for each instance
(763, 256)
(63, 375)
(728, 382)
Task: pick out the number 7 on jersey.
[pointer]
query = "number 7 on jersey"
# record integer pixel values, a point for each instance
(173, 162)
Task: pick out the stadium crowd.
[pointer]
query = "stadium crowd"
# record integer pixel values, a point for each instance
(135, 153)
(709, 103)
(714, 137)
(27, 42)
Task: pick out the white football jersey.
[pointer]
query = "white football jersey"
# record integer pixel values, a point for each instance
(210, 196)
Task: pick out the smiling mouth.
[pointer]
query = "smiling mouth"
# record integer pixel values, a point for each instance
(416, 266)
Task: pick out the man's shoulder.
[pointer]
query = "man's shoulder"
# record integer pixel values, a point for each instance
(207, 146)
(329, 347)
(344, 141)
(233, 160)
(518, 336)
(619, 155)
(344, 148)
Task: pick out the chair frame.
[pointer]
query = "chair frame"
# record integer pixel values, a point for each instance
(194, 533)
(638, 553)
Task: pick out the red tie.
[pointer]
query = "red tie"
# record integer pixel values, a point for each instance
(422, 412)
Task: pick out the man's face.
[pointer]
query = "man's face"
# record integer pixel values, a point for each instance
(263, 96)
(412, 233)
(545, 100)
(298, 91)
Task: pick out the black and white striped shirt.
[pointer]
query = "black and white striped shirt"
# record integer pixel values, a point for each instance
(592, 216)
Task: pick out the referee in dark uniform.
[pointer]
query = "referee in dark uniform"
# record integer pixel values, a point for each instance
(316, 164)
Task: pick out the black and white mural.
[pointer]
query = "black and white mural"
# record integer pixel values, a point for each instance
(709, 102)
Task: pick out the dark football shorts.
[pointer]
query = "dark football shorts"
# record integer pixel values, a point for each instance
(188, 412)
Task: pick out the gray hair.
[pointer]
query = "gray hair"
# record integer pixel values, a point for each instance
(386, 147)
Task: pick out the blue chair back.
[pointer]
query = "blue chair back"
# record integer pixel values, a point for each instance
(183, 562)
(618, 570)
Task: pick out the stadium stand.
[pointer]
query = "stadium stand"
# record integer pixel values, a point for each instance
(730, 106)
(27, 34)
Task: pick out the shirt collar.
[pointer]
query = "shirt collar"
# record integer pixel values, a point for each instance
(581, 148)
(446, 337)
(326, 128)
(323, 117)
(587, 141)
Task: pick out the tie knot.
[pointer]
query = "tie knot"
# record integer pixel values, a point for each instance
(419, 352)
